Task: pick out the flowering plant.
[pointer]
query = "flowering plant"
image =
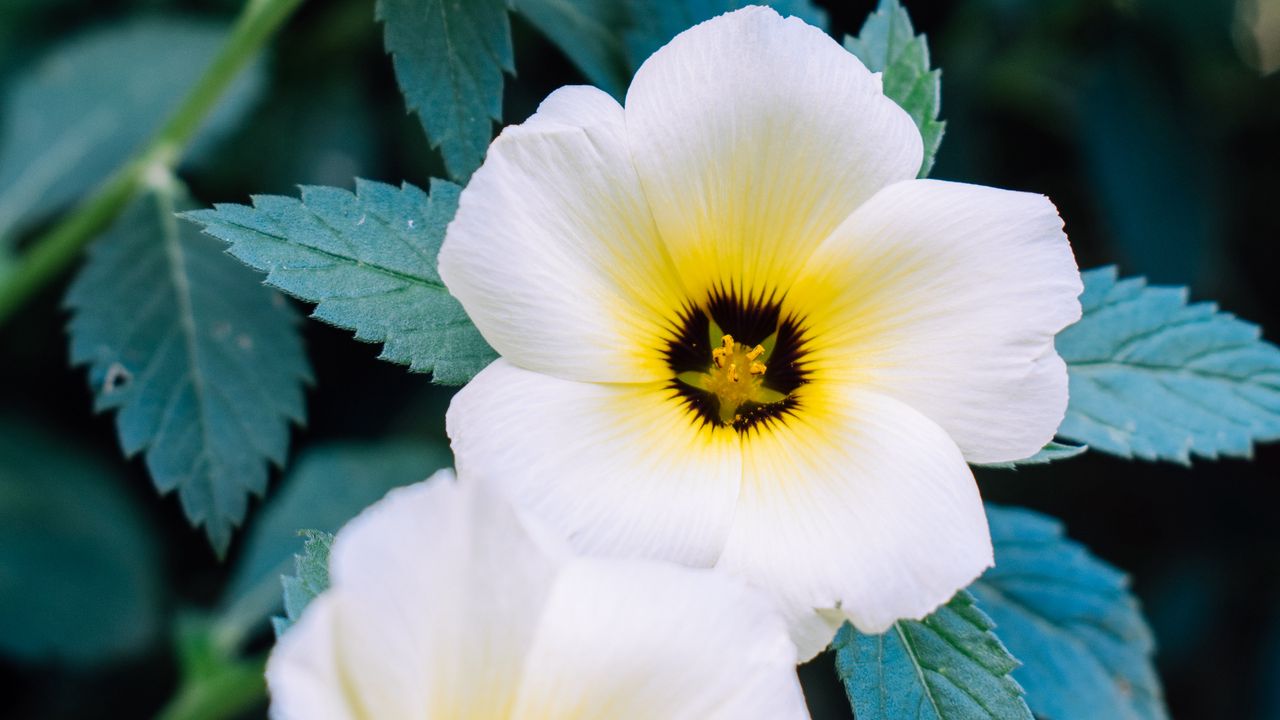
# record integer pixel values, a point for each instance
(727, 391)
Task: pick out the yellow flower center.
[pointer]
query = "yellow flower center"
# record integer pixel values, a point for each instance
(735, 377)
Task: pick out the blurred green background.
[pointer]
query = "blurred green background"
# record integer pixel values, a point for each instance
(1153, 125)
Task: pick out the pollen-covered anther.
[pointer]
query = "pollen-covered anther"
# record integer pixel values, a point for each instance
(735, 378)
(721, 355)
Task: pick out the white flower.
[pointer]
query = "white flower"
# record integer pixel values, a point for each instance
(446, 605)
(736, 332)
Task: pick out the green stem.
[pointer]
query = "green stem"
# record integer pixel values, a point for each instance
(52, 252)
(237, 622)
(227, 691)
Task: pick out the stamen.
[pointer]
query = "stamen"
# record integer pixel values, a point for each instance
(736, 378)
(732, 383)
(721, 354)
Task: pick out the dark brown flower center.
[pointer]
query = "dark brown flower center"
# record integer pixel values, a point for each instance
(736, 361)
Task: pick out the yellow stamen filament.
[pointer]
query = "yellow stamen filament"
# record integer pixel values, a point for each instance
(736, 377)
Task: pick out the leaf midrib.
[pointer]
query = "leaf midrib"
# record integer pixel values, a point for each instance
(919, 669)
(182, 292)
(341, 259)
(1124, 366)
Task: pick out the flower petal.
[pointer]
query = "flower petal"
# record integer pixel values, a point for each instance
(754, 137)
(310, 678)
(860, 503)
(553, 252)
(620, 469)
(436, 593)
(631, 640)
(948, 296)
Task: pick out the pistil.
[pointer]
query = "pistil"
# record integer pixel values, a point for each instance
(736, 377)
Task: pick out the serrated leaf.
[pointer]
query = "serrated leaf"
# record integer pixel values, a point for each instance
(948, 666)
(78, 112)
(655, 22)
(1155, 378)
(79, 577)
(888, 44)
(449, 57)
(369, 260)
(1085, 649)
(588, 33)
(1053, 452)
(204, 365)
(309, 579)
(325, 487)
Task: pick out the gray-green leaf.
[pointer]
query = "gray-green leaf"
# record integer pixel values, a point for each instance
(369, 260)
(1155, 378)
(79, 111)
(79, 576)
(325, 487)
(449, 57)
(588, 32)
(204, 365)
(310, 578)
(1053, 452)
(946, 667)
(888, 44)
(1070, 618)
(655, 22)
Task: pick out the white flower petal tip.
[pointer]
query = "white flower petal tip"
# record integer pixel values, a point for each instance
(444, 604)
(866, 506)
(754, 137)
(949, 295)
(737, 332)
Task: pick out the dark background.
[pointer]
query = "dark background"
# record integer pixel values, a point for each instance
(1146, 121)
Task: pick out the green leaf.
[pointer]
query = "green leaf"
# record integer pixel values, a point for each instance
(310, 578)
(325, 487)
(888, 44)
(205, 366)
(588, 33)
(369, 260)
(449, 57)
(79, 577)
(1053, 452)
(655, 22)
(1155, 378)
(948, 666)
(1070, 618)
(79, 112)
